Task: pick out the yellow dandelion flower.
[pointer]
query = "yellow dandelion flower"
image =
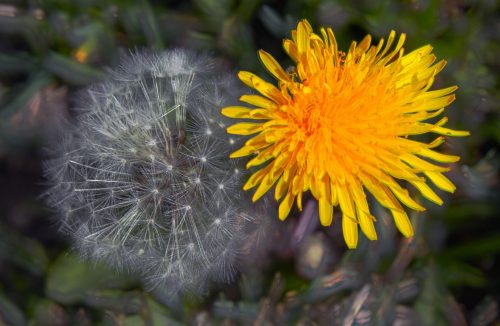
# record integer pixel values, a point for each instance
(339, 125)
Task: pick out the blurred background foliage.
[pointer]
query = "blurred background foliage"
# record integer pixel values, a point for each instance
(447, 274)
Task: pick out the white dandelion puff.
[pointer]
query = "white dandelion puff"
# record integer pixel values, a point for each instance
(142, 179)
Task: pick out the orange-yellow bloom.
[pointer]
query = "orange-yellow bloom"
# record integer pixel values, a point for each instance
(339, 125)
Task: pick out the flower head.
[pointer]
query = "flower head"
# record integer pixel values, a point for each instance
(339, 124)
(143, 180)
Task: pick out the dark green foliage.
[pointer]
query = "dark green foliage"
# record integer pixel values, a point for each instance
(447, 274)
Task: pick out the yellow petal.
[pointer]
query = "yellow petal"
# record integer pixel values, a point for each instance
(291, 49)
(400, 218)
(299, 200)
(258, 141)
(244, 151)
(404, 197)
(438, 157)
(439, 66)
(437, 93)
(426, 115)
(345, 202)
(363, 212)
(273, 66)
(245, 128)
(259, 114)
(324, 187)
(427, 192)
(257, 177)
(267, 154)
(259, 101)
(350, 230)
(441, 181)
(297, 183)
(246, 78)
(390, 39)
(449, 132)
(241, 112)
(435, 103)
(325, 212)
(436, 142)
(333, 195)
(281, 188)
(422, 165)
(378, 190)
(403, 222)
(303, 32)
(286, 206)
(366, 225)
(265, 184)
(365, 43)
(415, 55)
(267, 89)
(235, 111)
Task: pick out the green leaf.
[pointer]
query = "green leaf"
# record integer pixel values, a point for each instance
(457, 214)
(47, 312)
(458, 273)
(115, 300)
(71, 280)
(133, 321)
(18, 96)
(26, 27)
(23, 252)
(10, 313)
(246, 9)
(70, 70)
(328, 286)
(16, 63)
(274, 22)
(242, 311)
(141, 24)
(214, 12)
(476, 248)
(159, 315)
(432, 298)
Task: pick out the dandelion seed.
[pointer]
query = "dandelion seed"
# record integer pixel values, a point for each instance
(341, 124)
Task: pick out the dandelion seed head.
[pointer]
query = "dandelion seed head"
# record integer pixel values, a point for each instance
(141, 179)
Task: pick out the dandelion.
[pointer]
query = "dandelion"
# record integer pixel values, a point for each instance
(143, 181)
(340, 123)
